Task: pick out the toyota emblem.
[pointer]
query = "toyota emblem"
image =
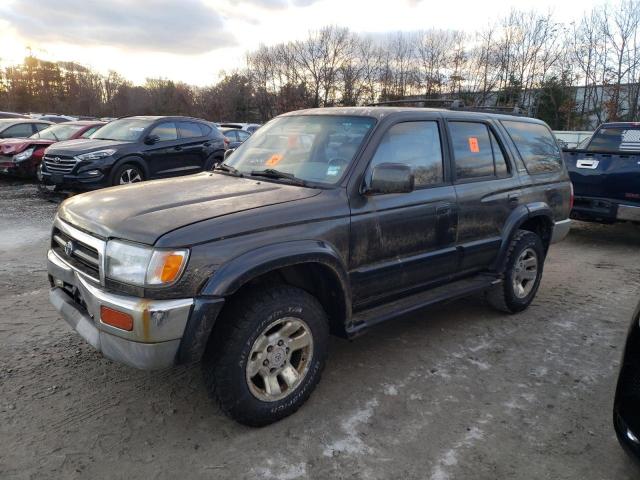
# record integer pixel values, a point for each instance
(69, 248)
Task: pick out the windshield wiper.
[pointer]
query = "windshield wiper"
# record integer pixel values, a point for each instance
(273, 173)
(99, 138)
(228, 168)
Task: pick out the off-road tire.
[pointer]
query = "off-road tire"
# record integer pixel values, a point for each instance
(503, 296)
(243, 321)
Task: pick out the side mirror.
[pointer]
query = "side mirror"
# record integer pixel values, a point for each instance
(151, 139)
(390, 178)
(227, 153)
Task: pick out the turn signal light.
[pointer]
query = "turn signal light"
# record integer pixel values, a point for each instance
(171, 268)
(117, 319)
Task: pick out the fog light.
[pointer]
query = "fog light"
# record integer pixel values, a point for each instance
(93, 173)
(117, 319)
(58, 283)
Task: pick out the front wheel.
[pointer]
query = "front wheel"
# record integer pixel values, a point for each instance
(128, 173)
(522, 274)
(267, 355)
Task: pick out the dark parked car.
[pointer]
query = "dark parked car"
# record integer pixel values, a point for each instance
(606, 174)
(325, 220)
(22, 156)
(235, 136)
(133, 149)
(626, 408)
(21, 127)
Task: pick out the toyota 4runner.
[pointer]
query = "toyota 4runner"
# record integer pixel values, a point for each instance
(325, 220)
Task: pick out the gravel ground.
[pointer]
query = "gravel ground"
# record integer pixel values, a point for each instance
(458, 391)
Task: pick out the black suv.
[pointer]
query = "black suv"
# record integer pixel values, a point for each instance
(325, 220)
(133, 149)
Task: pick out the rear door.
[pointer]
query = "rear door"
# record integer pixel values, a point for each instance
(486, 188)
(192, 146)
(405, 241)
(164, 155)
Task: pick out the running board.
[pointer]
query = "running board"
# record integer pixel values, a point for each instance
(458, 289)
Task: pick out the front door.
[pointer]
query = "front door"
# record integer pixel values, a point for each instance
(404, 241)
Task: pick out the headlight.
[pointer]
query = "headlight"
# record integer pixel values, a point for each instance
(96, 155)
(140, 265)
(23, 155)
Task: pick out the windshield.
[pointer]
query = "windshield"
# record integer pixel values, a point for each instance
(57, 132)
(616, 139)
(313, 148)
(124, 130)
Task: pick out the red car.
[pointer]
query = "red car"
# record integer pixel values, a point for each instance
(22, 156)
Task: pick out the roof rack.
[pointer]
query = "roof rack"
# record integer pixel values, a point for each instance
(453, 105)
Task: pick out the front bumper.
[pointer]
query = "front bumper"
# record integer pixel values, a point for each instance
(158, 325)
(78, 182)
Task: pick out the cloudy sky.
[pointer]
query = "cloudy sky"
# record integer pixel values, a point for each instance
(193, 40)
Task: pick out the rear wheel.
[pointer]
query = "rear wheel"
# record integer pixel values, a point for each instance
(267, 355)
(522, 274)
(211, 162)
(128, 173)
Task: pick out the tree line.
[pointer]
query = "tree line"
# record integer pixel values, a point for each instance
(570, 75)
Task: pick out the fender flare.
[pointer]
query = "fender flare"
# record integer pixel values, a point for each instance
(517, 217)
(234, 274)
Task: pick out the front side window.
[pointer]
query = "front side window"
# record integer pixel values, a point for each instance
(416, 144)
(124, 130)
(536, 146)
(89, 132)
(314, 148)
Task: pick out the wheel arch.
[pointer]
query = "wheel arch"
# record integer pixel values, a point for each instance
(536, 218)
(136, 160)
(313, 266)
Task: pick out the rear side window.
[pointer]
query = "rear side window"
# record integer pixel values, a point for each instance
(165, 132)
(189, 130)
(416, 144)
(205, 129)
(536, 146)
(476, 151)
(242, 136)
(616, 139)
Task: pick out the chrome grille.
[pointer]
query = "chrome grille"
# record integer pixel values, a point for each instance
(59, 163)
(80, 250)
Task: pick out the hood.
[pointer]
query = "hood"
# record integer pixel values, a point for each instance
(11, 146)
(146, 211)
(82, 145)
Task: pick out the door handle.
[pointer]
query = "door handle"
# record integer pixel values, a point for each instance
(443, 210)
(177, 148)
(514, 200)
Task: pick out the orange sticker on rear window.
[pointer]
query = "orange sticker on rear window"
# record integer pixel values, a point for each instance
(473, 145)
(274, 160)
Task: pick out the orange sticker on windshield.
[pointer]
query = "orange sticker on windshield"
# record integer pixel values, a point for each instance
(473, 145)
(274, 160)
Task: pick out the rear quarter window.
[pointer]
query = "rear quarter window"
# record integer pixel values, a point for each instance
(536, 146)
